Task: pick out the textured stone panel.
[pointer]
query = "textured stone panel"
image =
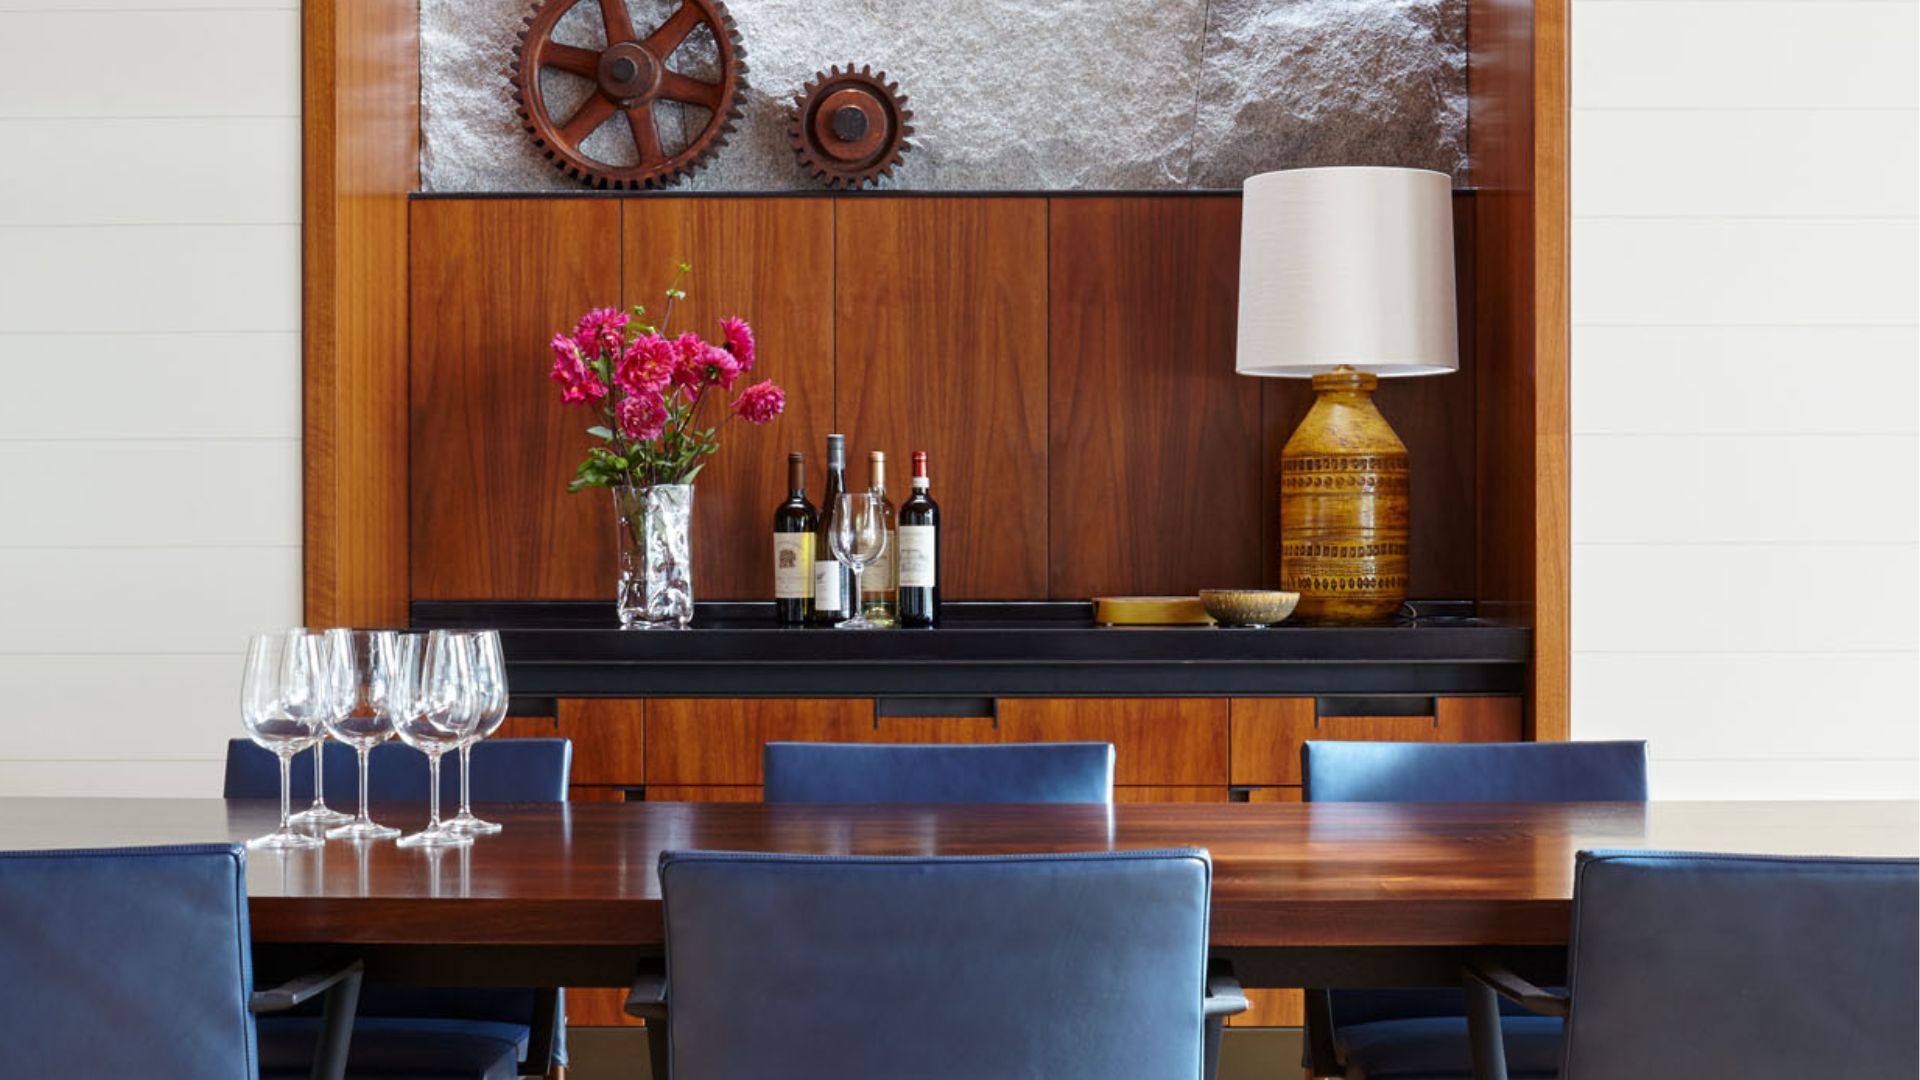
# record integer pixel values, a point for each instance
(1007, 94)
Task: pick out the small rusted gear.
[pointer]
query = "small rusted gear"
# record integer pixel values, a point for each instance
(630, 76)
(849, 128)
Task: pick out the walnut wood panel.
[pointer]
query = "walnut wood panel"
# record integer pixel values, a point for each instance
(596, 793)
(609, 739)
(941, 345)
(527, 727)
(492, 445)
(1434, 416)
(1269, 732)
(1517, 122)
(360, 118)
(718, 740)
(1150, 793)
(1157, 741)
(1275, 794)
(702, 793)
(1153, 465)
(1272, 1008)
(583, 874)
(769, 261)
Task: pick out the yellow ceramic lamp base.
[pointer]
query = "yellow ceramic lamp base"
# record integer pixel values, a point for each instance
(1343, 506)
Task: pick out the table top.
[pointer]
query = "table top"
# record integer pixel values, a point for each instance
(1285, 875)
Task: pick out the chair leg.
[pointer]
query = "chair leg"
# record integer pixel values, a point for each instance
(1483, 1032)
(1210, 1064)
(657, 1067)
(336, 1029)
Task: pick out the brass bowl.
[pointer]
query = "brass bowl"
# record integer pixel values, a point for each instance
(1248, 607)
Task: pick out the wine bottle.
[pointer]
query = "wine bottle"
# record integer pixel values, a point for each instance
(918, 564)
(878, 581)
(832, 580)
(794, 526)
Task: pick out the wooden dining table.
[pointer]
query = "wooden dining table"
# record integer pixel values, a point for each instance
(1342, 894)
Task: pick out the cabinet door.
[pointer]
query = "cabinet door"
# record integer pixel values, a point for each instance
(1268, 732)
(1156, 741)
(1152, 793)
(717, 740)
(609, 739)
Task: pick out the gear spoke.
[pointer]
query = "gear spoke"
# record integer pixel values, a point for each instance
(618, 22)
(677, 87)
(571, 59)
(646, 135)
(586, 119)
(663, 41)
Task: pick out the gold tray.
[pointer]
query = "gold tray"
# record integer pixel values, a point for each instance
(1150, 611)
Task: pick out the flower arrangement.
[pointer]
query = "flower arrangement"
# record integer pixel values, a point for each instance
(649, 388)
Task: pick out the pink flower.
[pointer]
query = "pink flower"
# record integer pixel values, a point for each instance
(642, 416)
(648, 365)
(698, 364)
(739, 341)
(601, 330)
(760, 403)
(577, 381)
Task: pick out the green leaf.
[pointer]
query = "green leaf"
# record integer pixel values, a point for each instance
(599, 432)
(687, 477)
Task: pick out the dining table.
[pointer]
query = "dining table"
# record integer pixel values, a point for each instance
(1327, 894)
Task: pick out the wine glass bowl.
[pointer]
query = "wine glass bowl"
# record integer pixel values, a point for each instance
(442, 713)
(857, 535)
(282, 696)
(371, 674)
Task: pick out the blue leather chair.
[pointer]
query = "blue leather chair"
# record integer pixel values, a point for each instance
(137, 962)
(1764, 968)
(901, 773)
(452, 1033)
(1422, 1034)
(1085, 966)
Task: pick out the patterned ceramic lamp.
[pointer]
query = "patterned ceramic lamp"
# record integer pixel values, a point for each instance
(1346, 276)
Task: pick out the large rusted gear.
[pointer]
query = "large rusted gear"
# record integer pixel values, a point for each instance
(629, 76)
(849, 128)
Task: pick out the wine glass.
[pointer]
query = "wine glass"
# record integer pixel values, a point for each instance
(857, 533)
(319, 815)
(280, 691)
(490, 700)
(370, 676)
(440, 714)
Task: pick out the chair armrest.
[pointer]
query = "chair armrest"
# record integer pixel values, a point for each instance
(1224, 994)
(648, 998)
(1508, 985)
(303, 988)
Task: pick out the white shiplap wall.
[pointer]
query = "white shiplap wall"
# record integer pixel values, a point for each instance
(1746, 392)
(149, 381)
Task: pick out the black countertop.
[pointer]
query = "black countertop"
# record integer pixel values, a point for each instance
(1043, 649)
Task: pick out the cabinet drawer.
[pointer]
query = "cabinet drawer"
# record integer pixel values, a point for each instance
(609, 739)
(1151, 793)
(1156, 741)
(1268, 732)
(718, 740)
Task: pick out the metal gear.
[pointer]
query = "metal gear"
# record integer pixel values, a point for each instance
(849, 128)
(630, 76)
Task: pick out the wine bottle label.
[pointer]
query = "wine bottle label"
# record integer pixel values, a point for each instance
(878, 577)
(826, 585)
(792, 565)
(917, 555)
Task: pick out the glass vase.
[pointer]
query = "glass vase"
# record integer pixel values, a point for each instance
(654, 532)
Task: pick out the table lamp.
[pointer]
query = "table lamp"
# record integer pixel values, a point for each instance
(1346, 276)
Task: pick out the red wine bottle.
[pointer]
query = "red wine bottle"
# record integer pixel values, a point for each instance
(794, 526)
(918, 564)
(832, 580)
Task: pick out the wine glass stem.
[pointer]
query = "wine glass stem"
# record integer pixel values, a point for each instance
(859, 597)
(433, 793)
(286, 792)
(319, 779)
(466, 761)
(365, 816)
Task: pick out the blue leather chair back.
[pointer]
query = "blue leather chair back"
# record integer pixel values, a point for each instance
(127, 962)
(1087, 966)
(901, 773)
(1749, 966)
(1474, 772)
(504, 770)
(1461, 772)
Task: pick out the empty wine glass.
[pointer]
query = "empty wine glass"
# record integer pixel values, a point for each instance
(857, 533)
(370, 674)
(490, 702)
(440, 714)
(280, 702)
(319, 815)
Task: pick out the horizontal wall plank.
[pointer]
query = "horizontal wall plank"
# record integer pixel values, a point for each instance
(1681, 380)
(111, 495)
(165, 386)
(120, 779)
(1755, 54)
(1746, 488)
(1638, 272)
(161, 63)
(224, 170)
(1803, 779)
(145, 600)
(164, 278)
(1745, 598)
(160, 707)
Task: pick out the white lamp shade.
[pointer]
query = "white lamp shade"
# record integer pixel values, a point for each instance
(1348, 266)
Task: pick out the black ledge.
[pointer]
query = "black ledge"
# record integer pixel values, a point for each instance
(1039, 649)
